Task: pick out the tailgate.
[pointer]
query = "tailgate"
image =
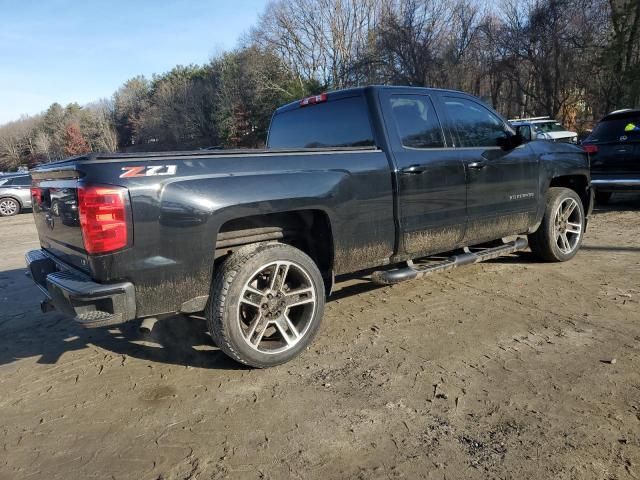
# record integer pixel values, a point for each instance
(55, 210)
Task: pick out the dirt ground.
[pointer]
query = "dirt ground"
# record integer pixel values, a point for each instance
(497, 370)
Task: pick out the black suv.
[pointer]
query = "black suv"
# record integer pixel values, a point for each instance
(614, 148)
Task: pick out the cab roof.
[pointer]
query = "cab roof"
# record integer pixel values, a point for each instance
(351, 92)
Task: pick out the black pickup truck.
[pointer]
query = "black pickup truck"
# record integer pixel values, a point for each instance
(356, 180)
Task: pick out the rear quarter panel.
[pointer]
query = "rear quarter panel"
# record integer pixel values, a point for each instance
(176, 218)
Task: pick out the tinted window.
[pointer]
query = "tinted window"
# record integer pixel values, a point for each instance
(416, 121)
(338, 123)
(476, 126)
(612, 130)
(26, 180)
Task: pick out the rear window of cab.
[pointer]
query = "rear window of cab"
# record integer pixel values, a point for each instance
(332, 124)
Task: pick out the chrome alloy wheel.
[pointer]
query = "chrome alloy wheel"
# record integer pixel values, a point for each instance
(276, 307)
(567, 225)
(8, 207)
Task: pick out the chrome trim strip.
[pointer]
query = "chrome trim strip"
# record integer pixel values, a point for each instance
(629, 182)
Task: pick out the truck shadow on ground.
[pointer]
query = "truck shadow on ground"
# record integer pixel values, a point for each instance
(26, 332)
(176, 340)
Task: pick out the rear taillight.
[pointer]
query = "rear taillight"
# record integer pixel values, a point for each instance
(103, 218)
(36, 195)
(313, 100)
(590, 148)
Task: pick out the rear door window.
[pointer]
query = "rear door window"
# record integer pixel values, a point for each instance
(475, 125)
(21, 181)
(338, 123)
(416, 121)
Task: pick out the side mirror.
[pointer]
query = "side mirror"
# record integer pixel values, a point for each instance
(517, 140)
(525, 132)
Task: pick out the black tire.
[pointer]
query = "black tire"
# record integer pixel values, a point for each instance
(228, 317)
(603, 197)
(9, 207)
(543, 242)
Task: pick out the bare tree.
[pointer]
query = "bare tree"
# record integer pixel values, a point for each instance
(97, 124)
(43, 144)
(623, 53)
(16, 142)
(319, 39)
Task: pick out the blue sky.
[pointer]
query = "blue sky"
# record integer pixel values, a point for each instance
(83, 50)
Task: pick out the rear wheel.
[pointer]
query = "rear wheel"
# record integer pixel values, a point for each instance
(559, 236)
(603, 197)
(9, 207)
(266, 304)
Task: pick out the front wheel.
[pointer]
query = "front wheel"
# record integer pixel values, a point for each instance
(9, 207)
(266, 304)
(560, 234)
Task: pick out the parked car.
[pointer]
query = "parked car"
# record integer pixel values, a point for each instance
(365, 178)
(544, 128)
(15, 195)
(614, 148)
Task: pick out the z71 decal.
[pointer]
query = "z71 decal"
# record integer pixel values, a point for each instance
(153, 171)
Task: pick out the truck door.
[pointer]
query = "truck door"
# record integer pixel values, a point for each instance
(502, 186)
(429, 173)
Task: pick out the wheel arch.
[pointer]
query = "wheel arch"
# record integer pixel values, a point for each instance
(579, 184)
(309, 230)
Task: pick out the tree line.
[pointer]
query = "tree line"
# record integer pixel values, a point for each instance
(575, 60)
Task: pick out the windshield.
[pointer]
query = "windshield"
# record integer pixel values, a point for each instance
(545, 127)
(3, 181)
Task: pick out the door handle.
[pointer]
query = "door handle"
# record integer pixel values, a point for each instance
(477, 165)
(414, 169)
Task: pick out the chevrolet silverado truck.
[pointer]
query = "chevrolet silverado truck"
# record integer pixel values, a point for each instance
(360, 180)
